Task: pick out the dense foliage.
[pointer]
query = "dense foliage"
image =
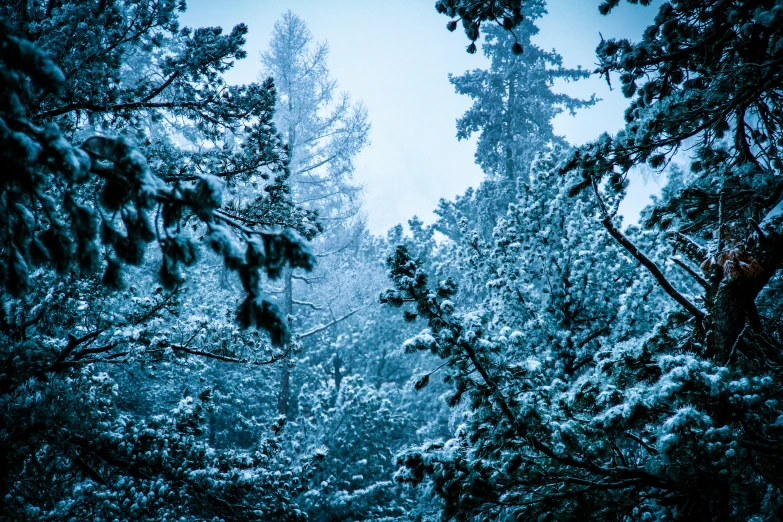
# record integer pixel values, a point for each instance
(656, 396)
(118, 132)
(170, 351)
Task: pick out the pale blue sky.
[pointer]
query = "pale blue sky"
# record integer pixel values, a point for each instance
(395, 56)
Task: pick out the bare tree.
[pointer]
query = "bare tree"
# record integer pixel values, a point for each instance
(324, 131)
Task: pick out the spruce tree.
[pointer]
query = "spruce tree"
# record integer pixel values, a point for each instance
(513, 107)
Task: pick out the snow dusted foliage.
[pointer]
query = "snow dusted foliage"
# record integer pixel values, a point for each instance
(724, 214)
(353, 390)
(566, 367)
(360, 427)
(81, 440)
(90, 207)
(117, 132)
(605, 374)
(538, 318)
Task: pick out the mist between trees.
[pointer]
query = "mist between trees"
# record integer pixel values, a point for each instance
(196, 324)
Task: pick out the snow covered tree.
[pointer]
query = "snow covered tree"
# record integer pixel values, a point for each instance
(662, 401)
(513, 102)
(543, 300)
(324, 132)
(97, 100)
(512, 112)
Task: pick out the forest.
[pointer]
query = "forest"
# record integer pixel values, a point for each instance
(197, 325)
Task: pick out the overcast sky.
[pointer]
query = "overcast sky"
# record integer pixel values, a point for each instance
(395, 56)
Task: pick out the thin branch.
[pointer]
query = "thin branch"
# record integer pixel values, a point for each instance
(643, 444)
(603, 485)
(87, 351)
(321, 328)
(209, 355)
(761, 447)
(307, 280)
(136, 105)
(161, 87)
(309, 305)
(646, 261)
(693, 273)
(226, 358)
(89, 470)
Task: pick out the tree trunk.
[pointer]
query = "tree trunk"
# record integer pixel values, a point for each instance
(735, 300)
(338, 376)
(285, 369)
(510, 131)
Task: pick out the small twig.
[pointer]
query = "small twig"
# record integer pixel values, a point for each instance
(639, 440)
(736, 344)
(321, 328)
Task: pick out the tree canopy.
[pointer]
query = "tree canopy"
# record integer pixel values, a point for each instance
(169, 349)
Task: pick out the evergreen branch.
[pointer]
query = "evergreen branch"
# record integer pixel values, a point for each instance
(226, 174)
(161, 87)
(227, 358)
(602, 485)
(208, 355)
(135, 105)
(653, 269)
(89, 470)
